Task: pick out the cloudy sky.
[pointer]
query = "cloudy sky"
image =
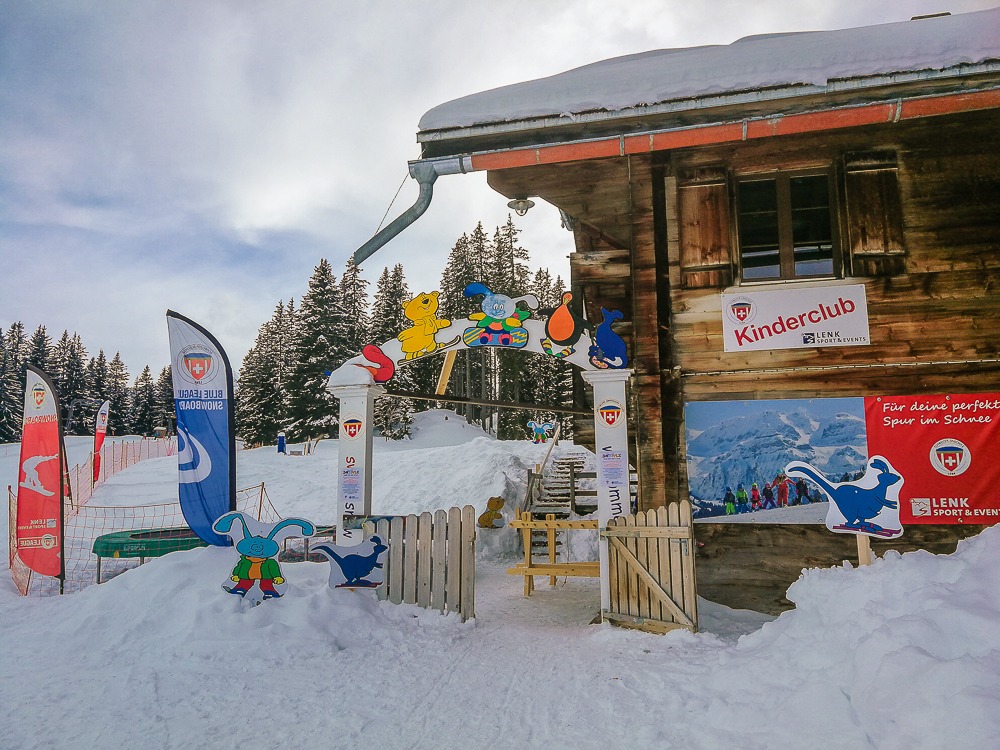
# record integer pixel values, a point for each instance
(203, 156)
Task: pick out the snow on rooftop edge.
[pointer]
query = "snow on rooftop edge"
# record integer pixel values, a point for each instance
(756, 62)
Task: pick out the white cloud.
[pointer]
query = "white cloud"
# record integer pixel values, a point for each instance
(204, 156)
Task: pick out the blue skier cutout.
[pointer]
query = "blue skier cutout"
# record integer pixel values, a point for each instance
(258, 564)
(608, 351)
(500, 322)
(869, 505)
(360, 566)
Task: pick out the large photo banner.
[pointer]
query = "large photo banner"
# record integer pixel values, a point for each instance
(946, 449)
(39, 482)
(206, 437)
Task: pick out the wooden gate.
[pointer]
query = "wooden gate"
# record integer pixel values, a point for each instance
(431, 560)
(651, 570)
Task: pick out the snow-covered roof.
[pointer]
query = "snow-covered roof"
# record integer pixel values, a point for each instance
(809, 62)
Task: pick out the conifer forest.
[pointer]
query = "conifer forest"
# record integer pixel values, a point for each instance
(281, 382)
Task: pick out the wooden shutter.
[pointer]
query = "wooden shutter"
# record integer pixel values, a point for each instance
(874, 214)
(704, 231)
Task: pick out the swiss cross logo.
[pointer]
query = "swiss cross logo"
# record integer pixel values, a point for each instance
(610, 412)
(741, 310)
(352, 427)
(950, 457)
(198, 364)
(38, 395)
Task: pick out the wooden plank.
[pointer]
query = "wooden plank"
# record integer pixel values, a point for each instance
(382, 531)
(649, 625)
(410, 561)
(675, 610)
(550, 538)
(445, 376)
(424, 523)
(439, 559)
(576, 569)
(688, 576)
(396, 547)
(666, 532)
(663, 556)
(675, 585)
(614, 585)
(453, 581)
(553, 524)
(642, 550)
(634, 582)
(468, 534)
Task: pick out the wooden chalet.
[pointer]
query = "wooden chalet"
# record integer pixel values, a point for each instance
(862, 156)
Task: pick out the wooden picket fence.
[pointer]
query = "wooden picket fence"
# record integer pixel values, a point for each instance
(651, 569)
(431, 560)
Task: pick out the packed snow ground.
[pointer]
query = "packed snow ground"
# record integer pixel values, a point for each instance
(902, 654)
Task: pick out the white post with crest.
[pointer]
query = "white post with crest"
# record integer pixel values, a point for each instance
(354, 475)
(611, 447)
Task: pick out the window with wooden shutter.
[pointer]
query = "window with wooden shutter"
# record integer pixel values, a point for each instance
(703, 219)
(785, 226)
(874, 215)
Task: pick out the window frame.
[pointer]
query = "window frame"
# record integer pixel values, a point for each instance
(786, 250)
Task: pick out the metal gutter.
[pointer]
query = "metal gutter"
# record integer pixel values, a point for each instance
(425, 172)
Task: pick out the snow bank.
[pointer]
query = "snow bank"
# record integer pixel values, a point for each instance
(902, 654)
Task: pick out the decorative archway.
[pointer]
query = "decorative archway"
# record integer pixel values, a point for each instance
(507, 323)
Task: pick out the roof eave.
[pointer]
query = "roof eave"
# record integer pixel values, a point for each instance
(836, 88)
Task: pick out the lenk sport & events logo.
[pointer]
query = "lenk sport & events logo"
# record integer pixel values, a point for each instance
(194, 364)
(38, 395)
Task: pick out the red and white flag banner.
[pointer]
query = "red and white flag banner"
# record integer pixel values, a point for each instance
(100, 430)
(39, 481)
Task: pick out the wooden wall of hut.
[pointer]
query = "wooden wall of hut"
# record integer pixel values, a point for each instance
(933, 306)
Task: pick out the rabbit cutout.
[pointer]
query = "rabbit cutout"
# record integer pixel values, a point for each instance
(257, 575)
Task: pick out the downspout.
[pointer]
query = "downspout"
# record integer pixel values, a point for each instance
(425, 172)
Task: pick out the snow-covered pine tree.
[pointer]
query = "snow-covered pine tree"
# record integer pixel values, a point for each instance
(40, 349)
(11, 394)
(17, 352)
(97, 376)
(354, 294)
(142, 403)
(118, 394)
(68, 370)
(164, 414)
(393, 416)
(312, 409)
(261, 393)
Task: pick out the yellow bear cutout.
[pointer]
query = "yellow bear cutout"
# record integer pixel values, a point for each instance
(418, 340)
(488, 519)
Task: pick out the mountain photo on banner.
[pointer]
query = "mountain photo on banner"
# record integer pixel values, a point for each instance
(733, 443)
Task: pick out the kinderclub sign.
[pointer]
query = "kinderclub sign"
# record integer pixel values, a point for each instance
(795, 318)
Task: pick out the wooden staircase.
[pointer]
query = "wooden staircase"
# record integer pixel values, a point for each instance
(563, 489)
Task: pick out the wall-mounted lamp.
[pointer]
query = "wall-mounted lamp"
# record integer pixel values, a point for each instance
(521, 205)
